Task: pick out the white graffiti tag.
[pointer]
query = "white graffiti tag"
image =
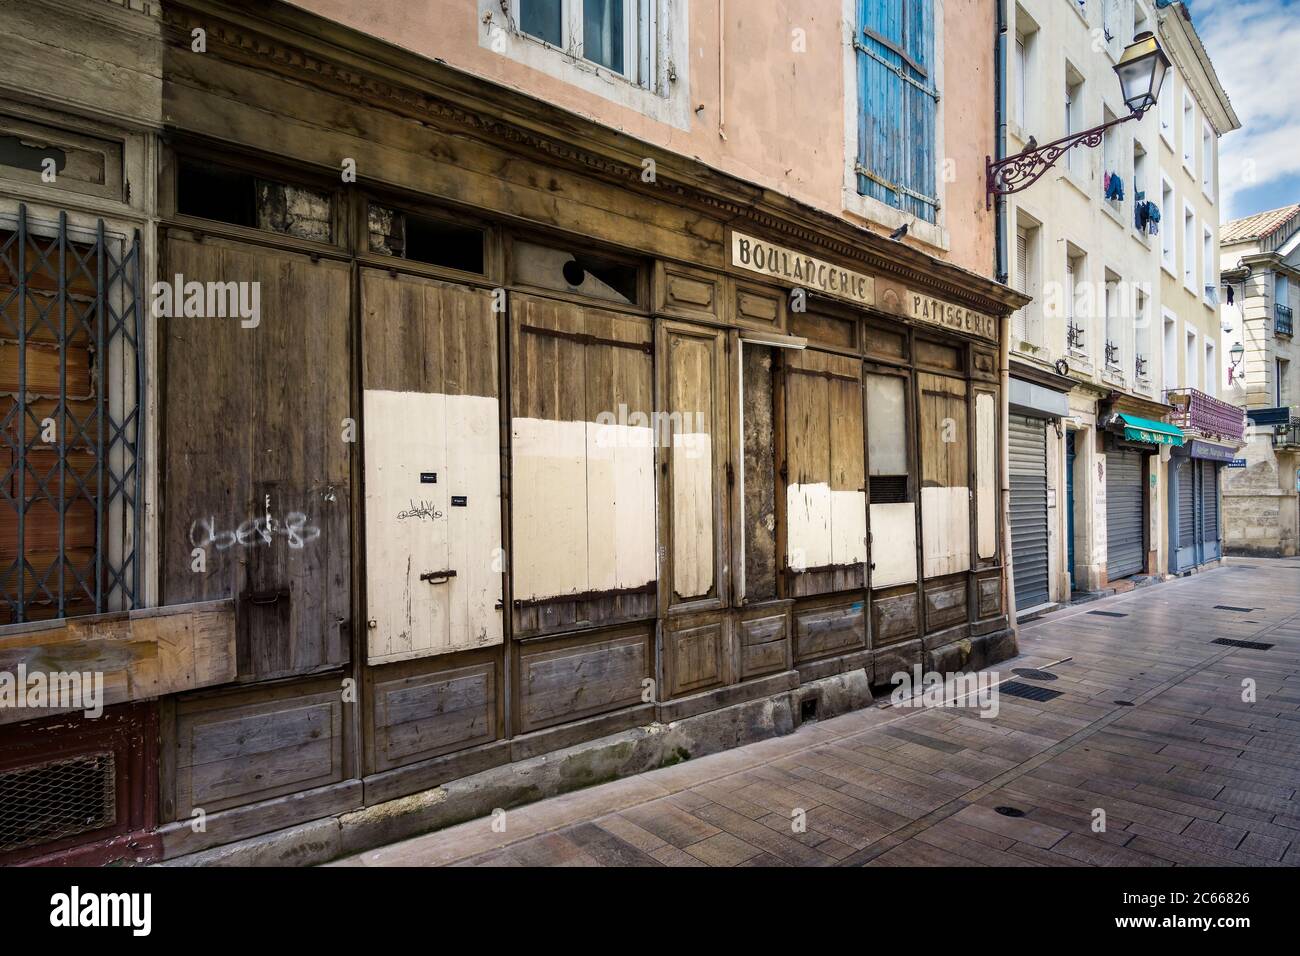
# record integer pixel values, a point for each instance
(255, 532)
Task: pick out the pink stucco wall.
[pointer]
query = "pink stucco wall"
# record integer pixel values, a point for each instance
(784, 110)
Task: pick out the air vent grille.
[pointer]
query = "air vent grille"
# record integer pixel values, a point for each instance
(61, 798)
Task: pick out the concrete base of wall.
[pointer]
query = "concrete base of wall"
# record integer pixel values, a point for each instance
(607, 758)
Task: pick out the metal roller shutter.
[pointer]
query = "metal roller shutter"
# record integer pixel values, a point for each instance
(1186, 501)
(1125, 544)
(1209, 510)
(1028, 453)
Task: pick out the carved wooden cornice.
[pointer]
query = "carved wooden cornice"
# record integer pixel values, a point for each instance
(345, 62)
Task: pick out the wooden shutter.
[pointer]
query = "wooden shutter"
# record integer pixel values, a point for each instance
(945, 488)
(432, 426)
(826, 502)
(256, 469)
(896, 93)
(1022, 283)
(582, 465)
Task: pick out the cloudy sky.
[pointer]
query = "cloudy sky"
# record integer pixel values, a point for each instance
(1255, 46)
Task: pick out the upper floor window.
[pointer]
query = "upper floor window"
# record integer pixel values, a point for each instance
(1207, 160)
(1189, 132)
(897, 104)
(616, 34)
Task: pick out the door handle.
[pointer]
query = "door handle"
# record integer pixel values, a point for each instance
(437, 577)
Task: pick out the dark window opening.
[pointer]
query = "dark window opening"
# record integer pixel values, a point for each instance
(888, 489)
(579, 272)
(542, 19)
(420, 239)
(242, 199)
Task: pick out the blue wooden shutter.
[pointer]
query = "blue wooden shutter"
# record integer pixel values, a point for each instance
(896, 93)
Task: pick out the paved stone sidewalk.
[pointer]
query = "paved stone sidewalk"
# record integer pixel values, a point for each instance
(1189, 774)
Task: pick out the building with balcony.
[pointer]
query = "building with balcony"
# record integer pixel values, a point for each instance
(1120, 314)
(1260, 266)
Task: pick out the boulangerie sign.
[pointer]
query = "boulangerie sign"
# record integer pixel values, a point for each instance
(809, 272)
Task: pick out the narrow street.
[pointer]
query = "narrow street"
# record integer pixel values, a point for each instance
(1186, 772)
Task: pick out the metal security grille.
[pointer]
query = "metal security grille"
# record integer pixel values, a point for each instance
(1028, 460)
(61, 798)
(1125, 537)
(71, 429)
(1209, 511)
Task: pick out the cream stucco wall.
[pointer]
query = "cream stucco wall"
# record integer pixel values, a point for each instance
(764, 98)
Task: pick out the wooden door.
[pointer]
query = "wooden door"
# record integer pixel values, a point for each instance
(256, 481)
(433, 468)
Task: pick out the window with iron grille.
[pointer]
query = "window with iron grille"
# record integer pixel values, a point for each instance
(71, 429)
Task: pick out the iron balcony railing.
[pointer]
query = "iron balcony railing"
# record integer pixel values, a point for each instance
(1282, 319)
(1288, 435)
(1206, 415)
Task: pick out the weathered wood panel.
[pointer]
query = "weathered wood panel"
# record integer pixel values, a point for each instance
(582, 466)
(894, 617)
(256, 485)
(832, 629)
(417, 716)
(760, 307)
(137, 654)
(581, 677)
(825, 329)
(990, 595)
(695, 657)
(694, 406)
(826, 502)
(764, 644)
(686, 293)
(433, 466)
(249, 747)
(945, 603)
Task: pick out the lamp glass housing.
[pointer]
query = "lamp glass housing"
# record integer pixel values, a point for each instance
(1141, 72)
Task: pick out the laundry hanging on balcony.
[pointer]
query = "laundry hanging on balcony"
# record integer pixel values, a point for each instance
(1146, 215)
(1114, 186)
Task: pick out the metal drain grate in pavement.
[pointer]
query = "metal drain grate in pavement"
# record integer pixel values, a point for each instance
(1108, 613)
(1031, 673)
(1014, 688)
(1229, 607)
(1248, 645)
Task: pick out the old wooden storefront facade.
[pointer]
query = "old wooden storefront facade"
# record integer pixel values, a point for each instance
(536, 434)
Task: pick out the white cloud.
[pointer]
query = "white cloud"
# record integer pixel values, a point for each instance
(1255, 47)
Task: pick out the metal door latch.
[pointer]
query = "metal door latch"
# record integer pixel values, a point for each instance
(437, 577)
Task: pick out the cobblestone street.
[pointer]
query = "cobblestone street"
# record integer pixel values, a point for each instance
(1149, 726)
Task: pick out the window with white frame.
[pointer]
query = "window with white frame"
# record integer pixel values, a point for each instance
(1190, 364)
(1189, 131)
(1077, 304)
(619, 35)
(1168, 226)
(1110, 160)
(1114, 322)
(1073, 114)
(1207, 160)
(1189, 247)
(1171, 351)
(1211, 290)
(1211, 370)
(1028, 320)
(1141, 335)
(1281, 291)
(1166, 105)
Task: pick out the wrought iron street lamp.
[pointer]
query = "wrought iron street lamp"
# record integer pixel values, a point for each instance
(1141, 71)
(1236, 353)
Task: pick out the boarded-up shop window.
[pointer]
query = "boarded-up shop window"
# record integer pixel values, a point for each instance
(255, 456)
(425, 239)
(242, 199)
(579, 273)
(893, 512)
(692, 416)
(945, 488)
(826, 502)
(582, 465)
(433, 467)
(986, 474)
(758, 473)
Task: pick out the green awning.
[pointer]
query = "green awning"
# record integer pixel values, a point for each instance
(1153, 433)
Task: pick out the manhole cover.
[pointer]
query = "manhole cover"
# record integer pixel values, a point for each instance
(1248, 645)
(1013, 688)
(1030, 673)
